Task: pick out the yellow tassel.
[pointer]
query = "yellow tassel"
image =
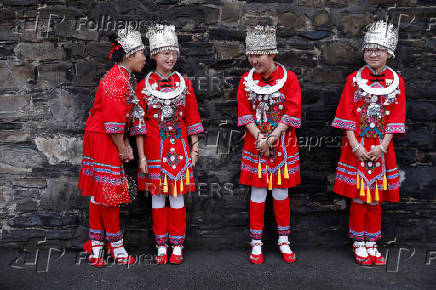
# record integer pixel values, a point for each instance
(259, 170)
(175, 188)
(377, 198)
(270, 182)
(127, 184)
(368, 195)
(286, 173)
(362, 188)
(279, 177)
(385, 182)
(357, 181)
(187, 176)
(165, 186)
(181, 184)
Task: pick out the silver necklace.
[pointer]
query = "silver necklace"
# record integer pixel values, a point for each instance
(254, 87)
(149, 90)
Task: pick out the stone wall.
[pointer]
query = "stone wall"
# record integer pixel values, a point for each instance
(53, 53)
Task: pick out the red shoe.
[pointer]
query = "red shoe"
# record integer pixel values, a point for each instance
(95, 261)
(129, 260)
(162, 258)
(377, 259)
(288, 258)
(359, 259)
(176, 259)
(256, 259)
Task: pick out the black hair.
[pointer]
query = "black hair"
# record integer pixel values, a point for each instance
(119, 53)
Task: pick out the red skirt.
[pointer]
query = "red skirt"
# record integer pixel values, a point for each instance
(348, 168)
(175, 182)
(102, 174)
(271, 172)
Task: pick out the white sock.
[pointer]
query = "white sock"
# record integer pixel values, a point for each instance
(177, 250)
(256, 247)
(284, 248)
(161, 250)
(119, 250)
(373, 251)
(97, 250)
(360, 251)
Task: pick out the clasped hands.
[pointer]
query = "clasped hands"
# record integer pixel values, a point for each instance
(264, 144)
(373, 155)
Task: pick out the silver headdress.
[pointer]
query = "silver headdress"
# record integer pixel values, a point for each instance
(381, 33)
(130, 40)
(261, 40)
(162, 37)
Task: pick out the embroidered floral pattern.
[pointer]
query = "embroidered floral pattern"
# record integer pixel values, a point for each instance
(244, 120)
(177, 240)
(256, 234)
(114, 127)
(195, 129)
(392, 128)
(114, 237)
(291, 121)
(96, 235)
(284, 231)
(344, 124)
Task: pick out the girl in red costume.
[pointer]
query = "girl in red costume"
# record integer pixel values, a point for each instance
(269, 107)
(371, 110)
(166, 160)
(105, 148)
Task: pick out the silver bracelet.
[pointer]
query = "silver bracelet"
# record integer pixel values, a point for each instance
(382, 148)
(356, 148)
(142, 159)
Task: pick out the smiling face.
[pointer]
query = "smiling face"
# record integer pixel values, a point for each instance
(165, 60)
(376, 58)
(262, 63)
(136, 62)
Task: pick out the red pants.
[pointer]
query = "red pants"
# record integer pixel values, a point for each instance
(365, 222)
(282, 213)
(169, 222)
(104, 222)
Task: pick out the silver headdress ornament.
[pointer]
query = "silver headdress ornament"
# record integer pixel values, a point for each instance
(162, 37)
(381, 33)
(130, 40)
(261, 40)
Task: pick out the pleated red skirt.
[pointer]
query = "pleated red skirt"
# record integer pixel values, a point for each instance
(102, 174)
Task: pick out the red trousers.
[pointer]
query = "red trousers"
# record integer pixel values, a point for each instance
(104, 222)
(365, 222)
(169, 223)
(282, 213)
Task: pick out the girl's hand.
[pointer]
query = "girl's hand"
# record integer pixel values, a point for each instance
(362, 154)
(143, 165)
(124, 154)
(375, 153)
(194, 157)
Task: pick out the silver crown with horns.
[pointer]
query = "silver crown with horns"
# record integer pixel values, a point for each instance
(162, 38)
(261, 40)
(381, 33)
(130, 40)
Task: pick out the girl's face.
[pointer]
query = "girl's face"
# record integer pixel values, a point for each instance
(136, 61)
(166, 60)
(262, 63)
(376, 58)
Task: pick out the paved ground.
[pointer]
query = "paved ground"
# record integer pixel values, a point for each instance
(315, 269)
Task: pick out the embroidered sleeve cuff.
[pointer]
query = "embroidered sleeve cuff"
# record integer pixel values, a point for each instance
(195, 129)
(344, 124)
(114, 127)
(244, 120)
(395, 128)
(291, 121)
(138, 130)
